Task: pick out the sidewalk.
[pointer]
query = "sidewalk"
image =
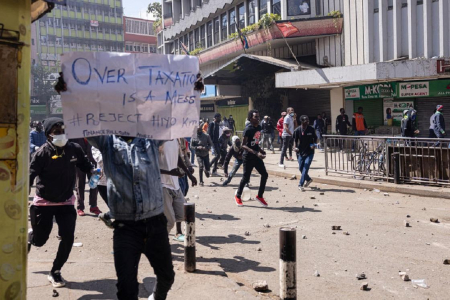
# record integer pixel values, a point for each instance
(317, 172)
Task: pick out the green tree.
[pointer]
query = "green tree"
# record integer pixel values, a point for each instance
(42, 87)
(156, 9)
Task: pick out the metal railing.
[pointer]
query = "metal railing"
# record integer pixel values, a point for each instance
(421, 160)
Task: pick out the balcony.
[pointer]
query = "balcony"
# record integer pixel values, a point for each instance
(308, 29)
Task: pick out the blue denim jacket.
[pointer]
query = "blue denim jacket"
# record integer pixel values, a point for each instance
(133, 176)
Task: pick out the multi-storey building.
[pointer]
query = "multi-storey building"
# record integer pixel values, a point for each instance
(139, 35)
(336, 54)
(94, 25)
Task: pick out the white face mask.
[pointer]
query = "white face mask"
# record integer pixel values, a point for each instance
(59, 140)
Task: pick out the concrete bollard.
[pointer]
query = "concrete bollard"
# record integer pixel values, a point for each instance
(189, 239)
(288, 265)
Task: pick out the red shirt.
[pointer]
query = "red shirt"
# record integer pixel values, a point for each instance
(280, 126)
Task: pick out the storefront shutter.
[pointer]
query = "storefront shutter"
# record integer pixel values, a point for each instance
(373, 111)
(425, 108)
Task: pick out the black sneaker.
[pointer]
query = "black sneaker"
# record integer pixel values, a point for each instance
(207, 174)
(56, 279)
(30, 238)
(106, 219)
(226, 182)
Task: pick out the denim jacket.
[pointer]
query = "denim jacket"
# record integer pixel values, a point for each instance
(133, 176)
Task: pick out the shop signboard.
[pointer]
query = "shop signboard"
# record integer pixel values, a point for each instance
(205, 108)
(440, 88)
(233, 102)
(371, 91)
(414, 89)
(38, 109)
(393, 110)
(35, 100)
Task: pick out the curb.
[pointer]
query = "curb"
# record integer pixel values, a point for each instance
(386, 187)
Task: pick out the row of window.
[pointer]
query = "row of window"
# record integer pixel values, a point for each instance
(139, 27)
(226, 24)
(93, 8)
(140, 47)
(78, 25)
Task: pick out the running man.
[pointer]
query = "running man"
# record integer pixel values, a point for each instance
(235, 151)
(252, 158)
(202, 144)
(54, 164)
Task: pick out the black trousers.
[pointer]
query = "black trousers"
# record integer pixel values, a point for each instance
(250, 162)
(203, 164)
(41, 218)
(286, 144)
(217, 154)
(103, 191)
(148, 237)
(80, 186)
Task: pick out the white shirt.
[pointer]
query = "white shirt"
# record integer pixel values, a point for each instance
(168, 160)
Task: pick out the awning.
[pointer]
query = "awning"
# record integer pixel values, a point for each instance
(405, 70)
(240, 68)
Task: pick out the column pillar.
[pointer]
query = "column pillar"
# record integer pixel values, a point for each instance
(336, 103)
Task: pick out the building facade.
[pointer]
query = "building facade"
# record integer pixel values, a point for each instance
(246, 76)
(139, 35)
(396, 53)
(78, 26)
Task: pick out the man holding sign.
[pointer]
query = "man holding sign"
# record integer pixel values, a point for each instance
(121, 110)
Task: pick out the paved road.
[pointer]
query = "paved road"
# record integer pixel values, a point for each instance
(228, 261)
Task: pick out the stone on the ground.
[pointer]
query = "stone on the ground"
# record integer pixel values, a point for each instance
(78, 244)
(312, 197)
(316, 274)
(294, 177)
(404, 276)
(247, 233)
(304, 237)
(406, 223)
(361, 276)
(364, 286)
(386, 194)
(446, 261)
(267, 225)
(259, 249)
(315, 204)
(346, 233)
(55, 293)
(434, 220)
(322, 193)
(336, 227)
(408, 216)
(260, 286)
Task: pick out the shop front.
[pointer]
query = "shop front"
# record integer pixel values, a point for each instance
(237, 107)
(384, 103)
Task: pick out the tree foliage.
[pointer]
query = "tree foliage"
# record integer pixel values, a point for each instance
(156, 9)
(42, 86)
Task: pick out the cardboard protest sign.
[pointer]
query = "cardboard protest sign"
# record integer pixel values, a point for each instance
(131, 94)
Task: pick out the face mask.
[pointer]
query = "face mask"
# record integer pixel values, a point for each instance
(228, 134)
(292, 114)
(59, 140)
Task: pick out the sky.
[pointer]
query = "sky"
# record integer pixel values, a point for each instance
(136, 8)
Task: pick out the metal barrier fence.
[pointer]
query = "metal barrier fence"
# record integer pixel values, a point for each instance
(421, 160)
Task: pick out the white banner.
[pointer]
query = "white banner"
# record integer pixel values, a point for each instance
(131, 94)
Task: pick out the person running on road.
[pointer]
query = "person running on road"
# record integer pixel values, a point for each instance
(232, 124)
(304, 139)
(54, 164)
(235, 151)
(288, 131)
(252, 158)
(224, 142)
(214, 133)
(202, 144)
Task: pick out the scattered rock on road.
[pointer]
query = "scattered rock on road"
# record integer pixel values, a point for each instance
(364, 286)
(316, 274)
(78, 244)
(312, 197)
(336, 227)
(346, 233)
(434, 220)
(260, 286)
(304, 237)
(406, 223)
(386, 194)
(294, 177)
(361, 276)
(322, 193)
(404, 276)
(267, 225)
(247, 233)
(55, 293)
(408, 216)
(259, 249)
(446, 261)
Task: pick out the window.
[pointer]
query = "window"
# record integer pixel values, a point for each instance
(50, 22)
(197, 38)
(276, 7)
(199, 3)
(262, 7)
(241, 15)
(191, 41)
(251, 18)
(209, 31)
(32, 42)
(202, 36)
(232, 21)
(216, 30)
(128, 47)
(224, 27)
(71, 25)
(298, 7)
(58, 41)
(41, 23)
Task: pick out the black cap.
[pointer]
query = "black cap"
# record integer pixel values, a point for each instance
(217, 115)
(50, 122)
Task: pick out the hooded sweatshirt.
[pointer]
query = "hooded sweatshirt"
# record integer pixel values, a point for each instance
(234, 151)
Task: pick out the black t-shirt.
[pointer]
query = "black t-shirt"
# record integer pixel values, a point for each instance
(253, 135)
(303, 140)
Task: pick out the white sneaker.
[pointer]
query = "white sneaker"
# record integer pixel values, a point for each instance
(282, 166)
(301, 188)
(308, 183)
(56, 279)
(194, 165)
(151, 297)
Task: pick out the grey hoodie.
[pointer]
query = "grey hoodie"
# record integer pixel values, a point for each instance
(202, 140)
